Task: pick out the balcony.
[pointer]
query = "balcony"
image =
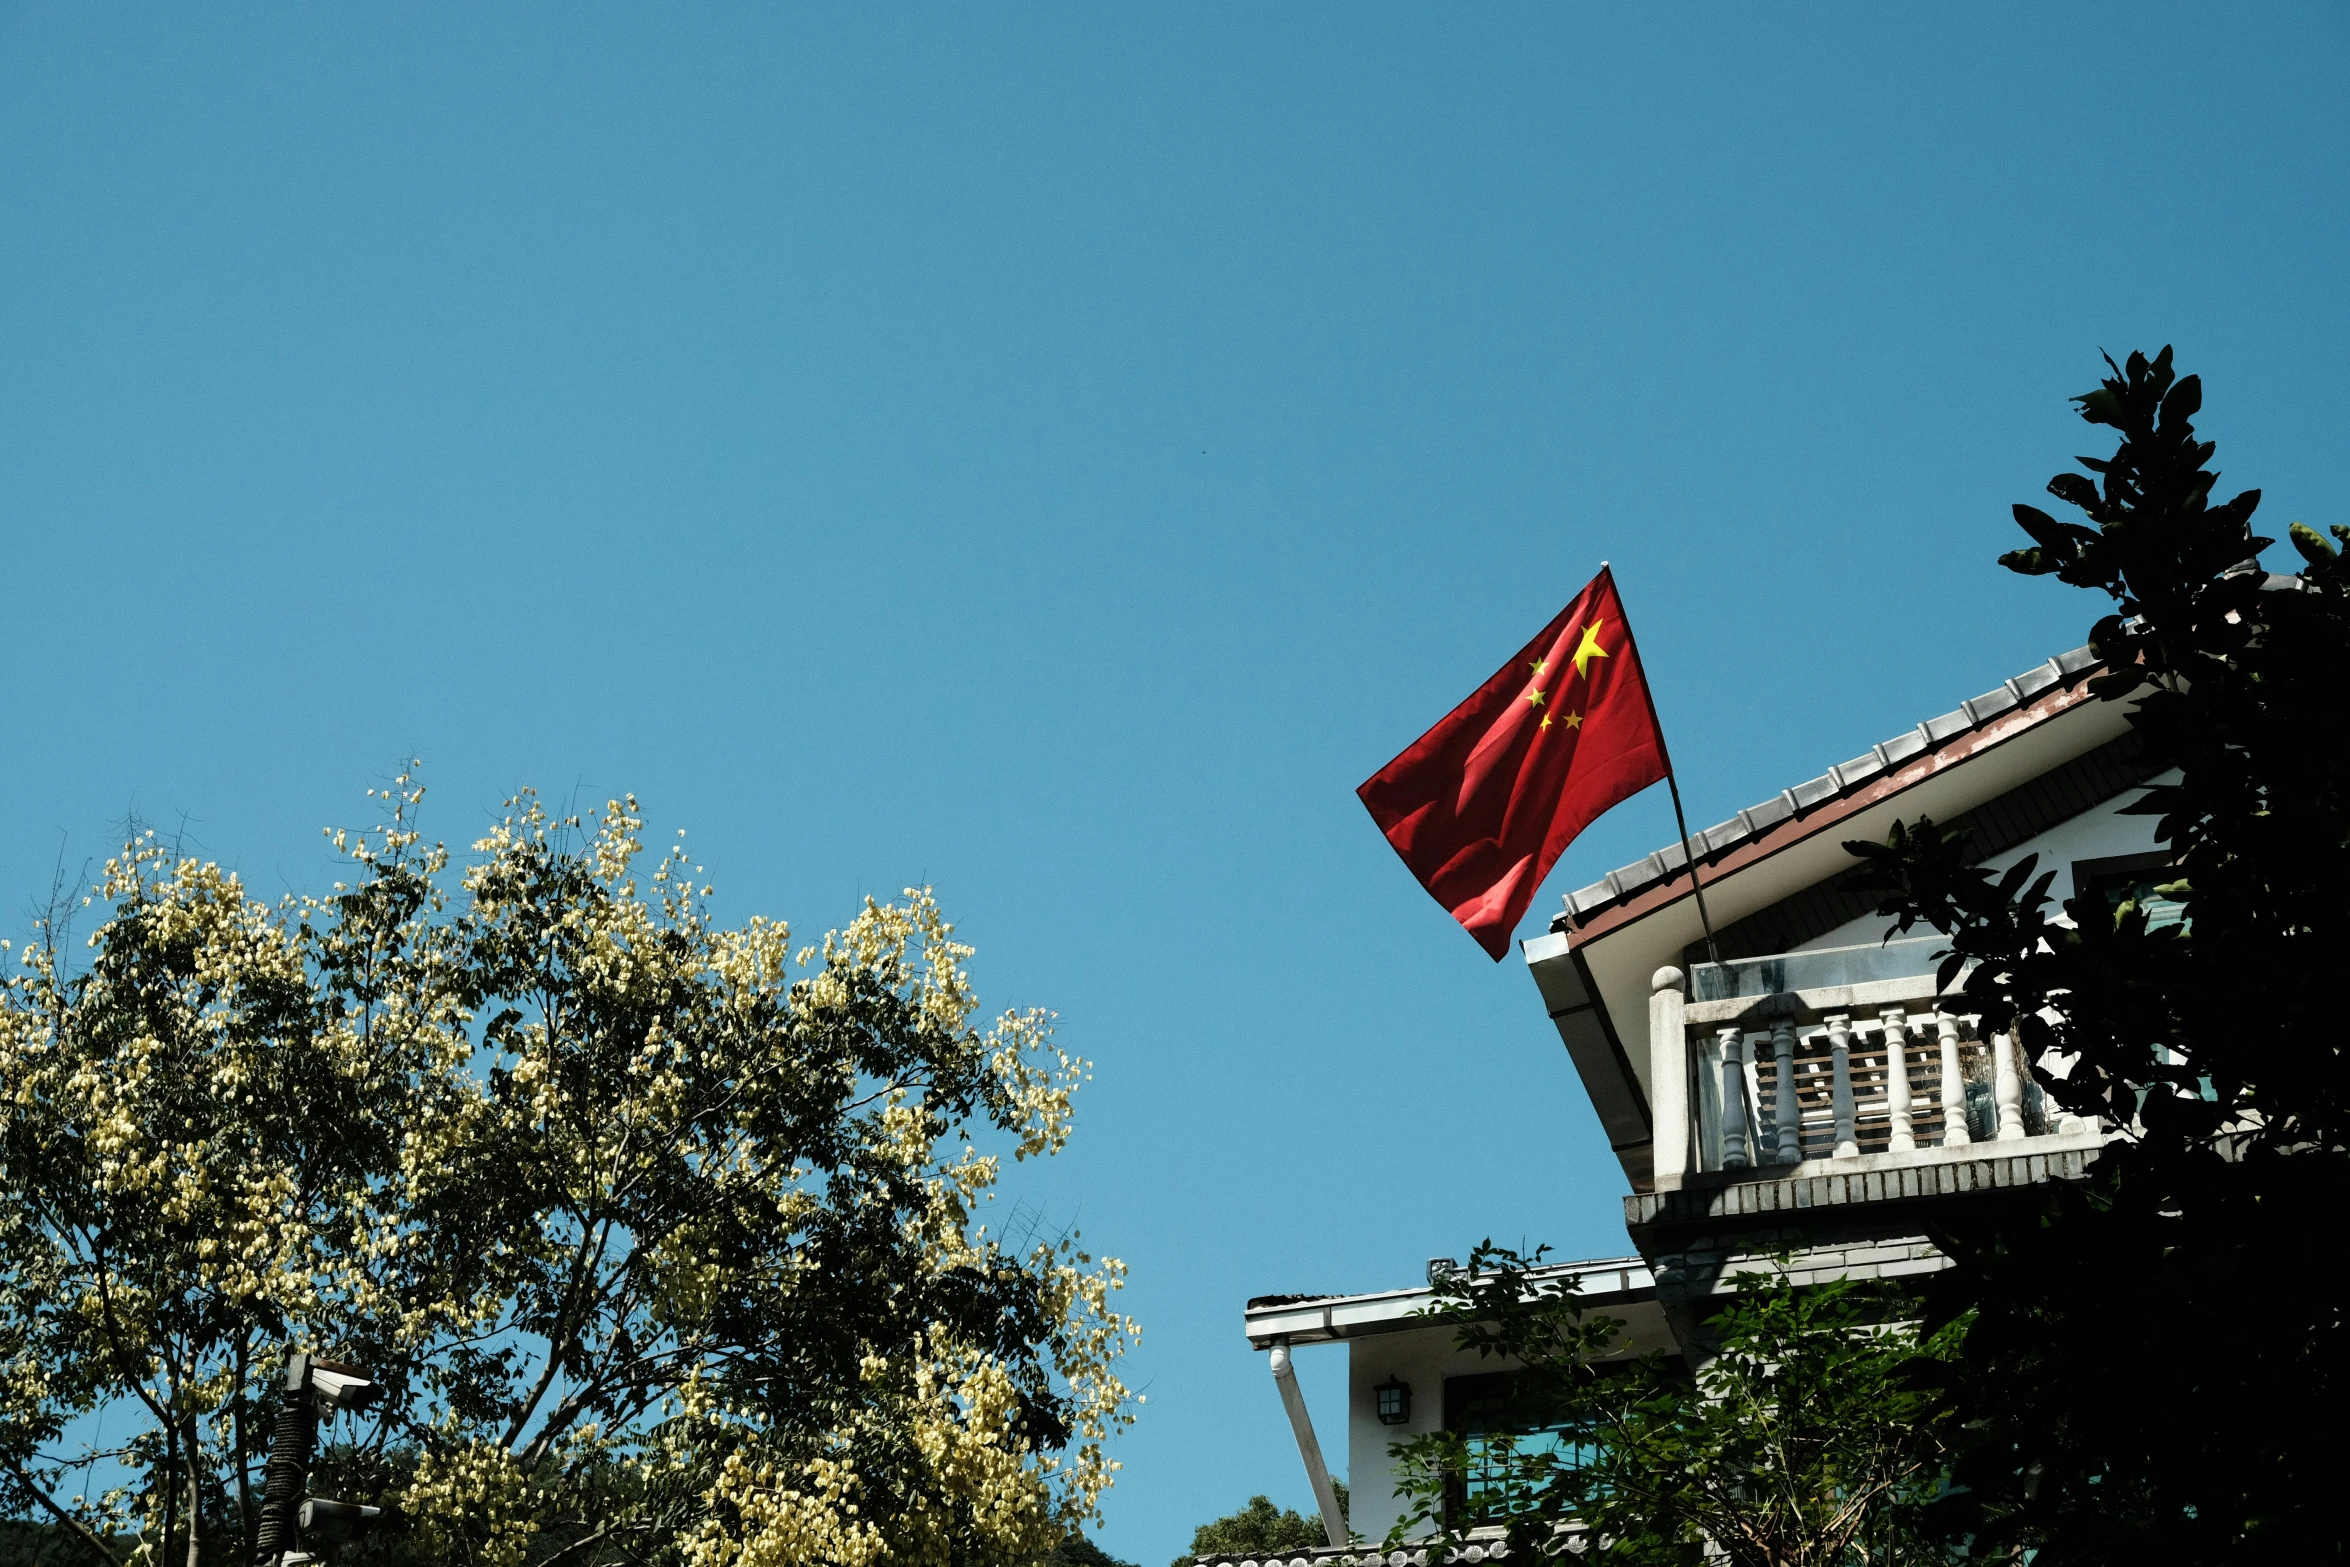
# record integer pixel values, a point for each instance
(1842, 1061)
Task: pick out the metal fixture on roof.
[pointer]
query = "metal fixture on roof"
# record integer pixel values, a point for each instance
(1441, 1268)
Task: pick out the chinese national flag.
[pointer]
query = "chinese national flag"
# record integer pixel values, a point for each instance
(1481, 806)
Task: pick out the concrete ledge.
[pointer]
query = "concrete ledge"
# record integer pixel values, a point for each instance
(1710, 1266)
(1872, 1178)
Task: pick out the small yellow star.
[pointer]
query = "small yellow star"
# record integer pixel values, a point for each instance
(1534, 695)
(1540, 666)
(1590, 648)
(1545, 724)
(1574, 720)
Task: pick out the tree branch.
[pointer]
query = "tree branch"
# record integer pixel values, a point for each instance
(74, 1526)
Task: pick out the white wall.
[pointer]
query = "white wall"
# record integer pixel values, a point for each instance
(1423, 1358)
(2101, 832)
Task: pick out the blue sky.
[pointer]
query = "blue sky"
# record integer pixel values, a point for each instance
(1054, 454)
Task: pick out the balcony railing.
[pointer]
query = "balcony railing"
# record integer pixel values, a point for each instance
(1840, 1054)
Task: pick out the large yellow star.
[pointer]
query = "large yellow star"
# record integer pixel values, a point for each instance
(1590, 649)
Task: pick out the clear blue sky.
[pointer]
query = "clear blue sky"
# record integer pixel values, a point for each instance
(1055, 454)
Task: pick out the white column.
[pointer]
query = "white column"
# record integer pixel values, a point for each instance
(1840, 1086)
(1896, 1024)
(1301, 1425)
(1668, 1078)
(1954, 1127)
(1733, 1041)
(1789, 1117)
(2007, 1088)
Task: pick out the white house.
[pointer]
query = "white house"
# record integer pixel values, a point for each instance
(1810, 1095)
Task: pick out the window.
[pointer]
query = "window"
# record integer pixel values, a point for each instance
(1483, 1408)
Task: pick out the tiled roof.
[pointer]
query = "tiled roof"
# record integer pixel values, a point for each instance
(1832, 784)
(1481, 1545)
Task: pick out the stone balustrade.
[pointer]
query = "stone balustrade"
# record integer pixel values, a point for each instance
(1749, 1079)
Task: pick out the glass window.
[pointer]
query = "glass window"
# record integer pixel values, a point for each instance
(1496, 1421)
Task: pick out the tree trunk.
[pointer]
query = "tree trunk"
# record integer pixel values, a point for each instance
(171, 1488)
(195, 1496)
(248, 1526)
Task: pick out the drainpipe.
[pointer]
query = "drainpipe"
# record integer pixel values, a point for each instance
(1325, 1495)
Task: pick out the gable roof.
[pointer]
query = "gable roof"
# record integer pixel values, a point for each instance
(1620, 885)
(2037, 750)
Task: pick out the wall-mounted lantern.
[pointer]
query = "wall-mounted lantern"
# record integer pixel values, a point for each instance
(1395, 1402)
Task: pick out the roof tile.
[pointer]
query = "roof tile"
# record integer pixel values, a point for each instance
(1950, 725)
(2032, 682)
(1901, 748)
(1813, 791)
(1789, 803)
(1849, 773)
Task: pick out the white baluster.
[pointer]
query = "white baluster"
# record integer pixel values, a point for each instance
(2007, 1088)
(1789, 1117)
(1668, 1077)
(1901, 1140)
(1733, 1098)
(1954, 1127)
(1840, 1086)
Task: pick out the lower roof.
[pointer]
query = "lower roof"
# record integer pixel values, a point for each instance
(1323, 1319)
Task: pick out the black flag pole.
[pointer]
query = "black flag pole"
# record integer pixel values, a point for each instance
(1695, 884)
(1680, 818)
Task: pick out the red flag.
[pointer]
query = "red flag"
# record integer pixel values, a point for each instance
(1481, 806)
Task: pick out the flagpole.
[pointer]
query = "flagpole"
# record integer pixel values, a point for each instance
(1680, 819)
(1695, 884)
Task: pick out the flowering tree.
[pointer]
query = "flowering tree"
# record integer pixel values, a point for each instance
(179, 1164)
(661, 1236)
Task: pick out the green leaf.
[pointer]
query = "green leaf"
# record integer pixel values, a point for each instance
(2074, 490)
(2183, 402)
(2017, 875)
(2101, 406)
(2067, 539)
(2314, 549)
(2038, 523)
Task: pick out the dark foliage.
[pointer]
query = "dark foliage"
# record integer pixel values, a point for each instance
(1804, 1439)
(2154, 1370)
(1257, 1527)
(1079, 1551)
(25, 1544)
